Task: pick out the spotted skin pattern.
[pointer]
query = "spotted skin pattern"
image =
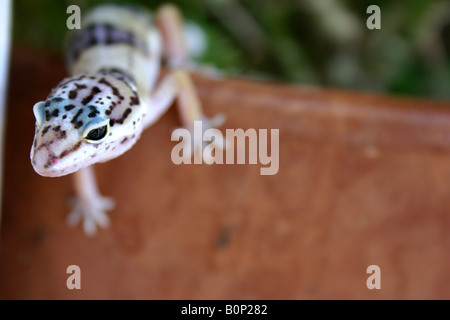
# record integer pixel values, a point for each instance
(109, 62)
(76, 104)
(100, 111)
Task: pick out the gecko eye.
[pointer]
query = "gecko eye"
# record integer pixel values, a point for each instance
(97, 134)
(96, 131)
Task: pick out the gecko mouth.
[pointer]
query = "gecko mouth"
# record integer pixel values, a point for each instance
(48, 171)
(52, 172)
(47, 165)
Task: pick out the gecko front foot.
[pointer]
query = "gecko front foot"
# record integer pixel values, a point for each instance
(91, 212)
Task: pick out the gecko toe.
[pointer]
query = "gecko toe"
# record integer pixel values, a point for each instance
(92, 213)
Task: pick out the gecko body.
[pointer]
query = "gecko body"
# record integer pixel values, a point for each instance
(110, 97)
(97, 114)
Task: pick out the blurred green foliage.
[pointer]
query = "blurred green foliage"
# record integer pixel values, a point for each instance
(314, 42)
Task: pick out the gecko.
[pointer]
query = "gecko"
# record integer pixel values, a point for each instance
(112, 94)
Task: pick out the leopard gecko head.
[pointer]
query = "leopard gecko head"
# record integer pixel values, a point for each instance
(85, 120)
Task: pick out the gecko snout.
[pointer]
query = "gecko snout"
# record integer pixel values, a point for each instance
(43, 162)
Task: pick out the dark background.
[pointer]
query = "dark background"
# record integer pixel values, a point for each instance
(314, 42)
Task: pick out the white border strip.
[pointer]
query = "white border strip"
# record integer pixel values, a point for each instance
(5, 34)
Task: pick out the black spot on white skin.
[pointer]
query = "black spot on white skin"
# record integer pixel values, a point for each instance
(75, 118)
(119, 74)
(68, 151)
(63, 154)
(134, 100)
(101, 34)
(72, 94)
(43, 145)
(78, 124)
(124, 116)
(45, 130)
(69, 107)
(88, 98)
(115, 91)
(94, 112)
(64, 84)
(50, 101)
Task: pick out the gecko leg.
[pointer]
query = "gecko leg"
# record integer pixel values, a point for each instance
(170, 24)
(89, 206)
(190, 111)
(178, 83)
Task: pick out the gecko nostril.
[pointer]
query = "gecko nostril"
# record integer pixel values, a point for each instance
(52, 160)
